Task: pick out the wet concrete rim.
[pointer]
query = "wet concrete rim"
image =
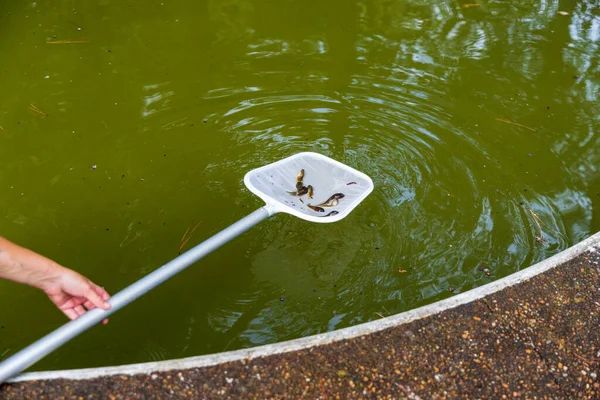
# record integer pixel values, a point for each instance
(590, 244)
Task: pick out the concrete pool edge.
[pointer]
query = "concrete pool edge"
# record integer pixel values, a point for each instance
(590, 244)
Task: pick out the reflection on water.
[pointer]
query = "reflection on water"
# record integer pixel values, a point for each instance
(156, 100)
(477, 124)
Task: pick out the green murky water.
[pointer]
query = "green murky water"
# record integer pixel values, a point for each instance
(175, 101)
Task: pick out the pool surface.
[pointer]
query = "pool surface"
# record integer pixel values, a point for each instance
(123, 124)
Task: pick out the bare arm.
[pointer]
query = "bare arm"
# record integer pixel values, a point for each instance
(70, 291)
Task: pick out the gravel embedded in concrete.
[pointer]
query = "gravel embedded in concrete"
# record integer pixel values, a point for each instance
(539, 339)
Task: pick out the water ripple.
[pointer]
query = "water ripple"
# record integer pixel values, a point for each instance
(431, 100)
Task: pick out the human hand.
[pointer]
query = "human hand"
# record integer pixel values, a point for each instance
(73, 293)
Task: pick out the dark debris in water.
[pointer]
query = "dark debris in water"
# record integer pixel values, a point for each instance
(485, 270)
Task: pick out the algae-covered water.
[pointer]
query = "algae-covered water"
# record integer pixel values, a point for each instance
(123, 123)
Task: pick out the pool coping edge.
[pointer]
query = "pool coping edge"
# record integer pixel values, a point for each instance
(590, 244)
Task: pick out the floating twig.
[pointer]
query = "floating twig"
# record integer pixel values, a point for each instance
(439, 185)
(514, 123)
(76, 25)
(37, 110)
(186, 237)
(379, 314)
(470, 5)
(2, 129)
(67, 41)
(537, 222)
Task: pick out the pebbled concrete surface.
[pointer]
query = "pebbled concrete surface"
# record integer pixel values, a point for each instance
(538, 339)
